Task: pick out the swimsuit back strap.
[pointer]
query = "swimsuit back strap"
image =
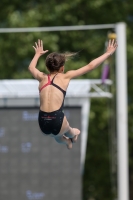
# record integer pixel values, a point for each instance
(48, 83)
(52, 83)
(53, 78)
(63, 91)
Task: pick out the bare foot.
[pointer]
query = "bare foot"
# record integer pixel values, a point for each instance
(77, 132)
(69, 145)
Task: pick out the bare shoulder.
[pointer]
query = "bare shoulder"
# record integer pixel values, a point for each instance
(63, 76)
(36, 73)
(43, 77)
(62, 80)
(43, 80)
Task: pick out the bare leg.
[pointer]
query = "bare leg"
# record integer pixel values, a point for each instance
(68, 131)
(64, 140)
(73, 133)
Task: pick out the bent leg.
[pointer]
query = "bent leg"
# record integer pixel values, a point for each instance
(69, 131)
(64, 140)
(73, 133)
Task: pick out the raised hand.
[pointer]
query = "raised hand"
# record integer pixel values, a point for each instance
(112, 46)
(39, 48)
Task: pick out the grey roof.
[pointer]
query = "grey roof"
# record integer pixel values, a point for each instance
(29, 88)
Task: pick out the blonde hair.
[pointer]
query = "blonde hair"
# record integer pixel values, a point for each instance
(69, 55)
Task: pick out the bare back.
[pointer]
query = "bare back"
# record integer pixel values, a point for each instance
(51, 98)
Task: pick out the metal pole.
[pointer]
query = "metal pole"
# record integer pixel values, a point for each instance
(122, 119)
(57, 28)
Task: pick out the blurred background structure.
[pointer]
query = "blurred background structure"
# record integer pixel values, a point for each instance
(39, 168)
(100, 172)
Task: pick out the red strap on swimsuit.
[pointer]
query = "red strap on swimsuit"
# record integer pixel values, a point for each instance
(48, 83)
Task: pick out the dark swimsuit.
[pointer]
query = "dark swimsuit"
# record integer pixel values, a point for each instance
(51, 122)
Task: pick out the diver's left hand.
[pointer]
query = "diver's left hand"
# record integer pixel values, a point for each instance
(112, 46)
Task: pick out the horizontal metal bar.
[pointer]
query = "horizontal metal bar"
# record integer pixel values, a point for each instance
(91, 94)
(56, 28)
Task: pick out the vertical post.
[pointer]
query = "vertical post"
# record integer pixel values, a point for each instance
(122, 119)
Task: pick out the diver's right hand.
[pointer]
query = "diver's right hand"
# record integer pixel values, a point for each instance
(39, 48)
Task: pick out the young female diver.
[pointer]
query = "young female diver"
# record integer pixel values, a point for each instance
(52, 88)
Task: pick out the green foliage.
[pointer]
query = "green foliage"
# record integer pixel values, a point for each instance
(16, 53)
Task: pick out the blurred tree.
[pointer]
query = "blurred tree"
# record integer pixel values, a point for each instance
(16, 53)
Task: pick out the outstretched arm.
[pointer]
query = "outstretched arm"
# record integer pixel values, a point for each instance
(112, 45)
(32, 67)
